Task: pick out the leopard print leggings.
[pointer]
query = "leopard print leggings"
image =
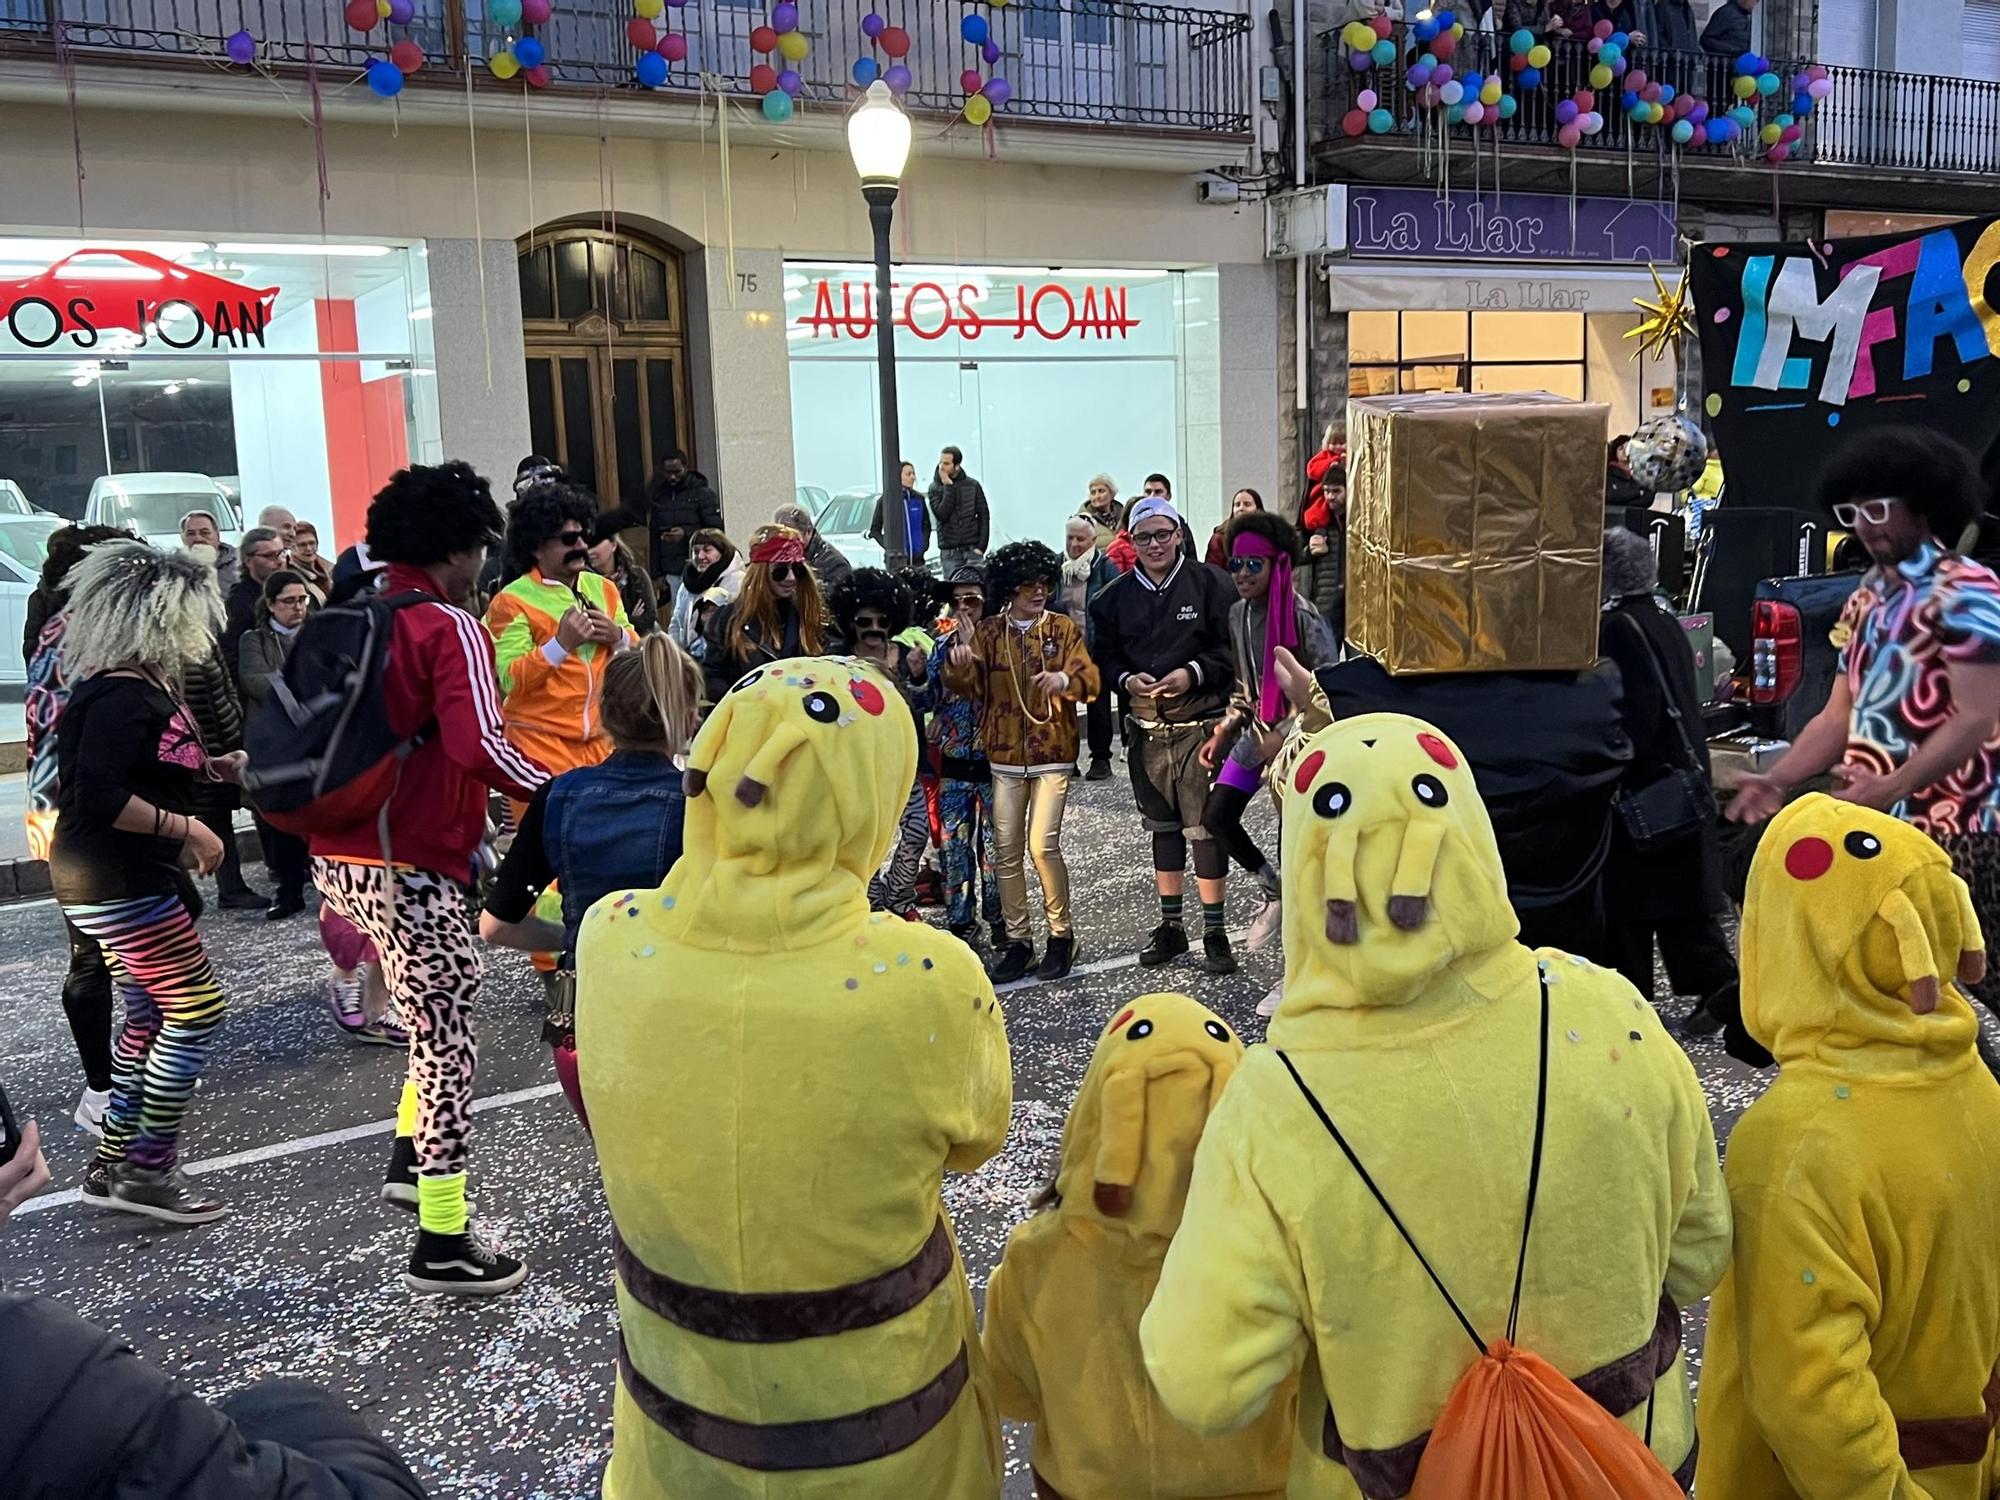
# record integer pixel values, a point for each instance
(432, 968)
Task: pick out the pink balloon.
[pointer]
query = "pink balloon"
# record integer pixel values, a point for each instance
(1781, 152)
(673, 47)
(535, 12)
(970, 80)
(1366, 99)
(1636, 79)
(1569, 136)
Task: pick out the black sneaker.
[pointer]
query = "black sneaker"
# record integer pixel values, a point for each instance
(1100, 769)
(1013, 963)
(1056, 958)
(1699, 1022)
(96, 1183)
(461, 1265)
(399, 1183)
(1215, 955)
(162, 1193)
(283, 907)
(243, 900)
(1168, 942)
(998, 931)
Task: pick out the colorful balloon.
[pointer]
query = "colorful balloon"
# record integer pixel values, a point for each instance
(1354, 122)
(408, 56)
(651, 69)
(977, 110)
(538, 78)
(1508, 105)
(895, 41)
(528, 52)
(865, 71)
(1381, 25)
(990, 52)
(1538, 56)
(1531, 78)
(763, 39)
(973, 29)
(502, 65)
(1383, 53)
(777, 106)
(898, 78)
(763, 78)
(794, 45)
(789, 82)
(784, 17)
(1600, 77)
(969, 81)
(506, 14)
(673, 47)
(536, 12)
(241, 47)
(871, 25)
(1380, 121)
(1366, 99)
(361, 15)
(384, 78)
(642, 34)
(1570, 136)
(998, 91)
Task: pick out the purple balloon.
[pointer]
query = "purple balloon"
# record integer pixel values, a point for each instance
(998, 91)
(872, 25)
(242, 48)
(402, 12)
(1360, 62)
(897, 77)
(991, 51)
(790, 82)
(784, 17)
(1566, 112)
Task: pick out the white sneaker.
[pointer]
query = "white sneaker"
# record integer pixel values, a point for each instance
(1265, 926)
(1268, 1006)
(90, 1110)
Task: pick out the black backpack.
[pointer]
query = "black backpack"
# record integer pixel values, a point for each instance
(323, 758)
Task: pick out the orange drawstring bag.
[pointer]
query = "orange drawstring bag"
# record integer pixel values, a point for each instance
(1515, 1427)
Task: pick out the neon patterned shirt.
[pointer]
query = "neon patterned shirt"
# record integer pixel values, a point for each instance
(1900, 633)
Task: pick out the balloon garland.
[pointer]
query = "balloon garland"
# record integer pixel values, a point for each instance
(656, 45)
(778, 88)
(523, 57)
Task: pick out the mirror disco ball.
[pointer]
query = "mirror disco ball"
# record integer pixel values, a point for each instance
(1667, 453)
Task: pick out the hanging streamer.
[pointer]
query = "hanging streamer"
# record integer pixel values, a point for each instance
(478, 226)
(66, 62)
(319, 163)
(528, 144)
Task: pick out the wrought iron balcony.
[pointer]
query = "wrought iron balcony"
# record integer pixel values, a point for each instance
(1893, 123)
(1117, 63)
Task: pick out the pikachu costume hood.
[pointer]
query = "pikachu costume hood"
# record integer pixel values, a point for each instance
(1852, 1348)
(777, 1081)
(1063, 1308)
(1415, 1018)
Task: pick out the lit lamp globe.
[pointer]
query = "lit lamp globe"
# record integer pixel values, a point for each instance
(878, 137)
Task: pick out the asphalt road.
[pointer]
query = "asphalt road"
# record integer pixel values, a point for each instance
(508, 1398)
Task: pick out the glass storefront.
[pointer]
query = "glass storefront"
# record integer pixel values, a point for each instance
(1043, 378)
(166, 375)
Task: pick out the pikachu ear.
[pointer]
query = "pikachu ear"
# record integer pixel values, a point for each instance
(1913, 948)
(1121, 1139)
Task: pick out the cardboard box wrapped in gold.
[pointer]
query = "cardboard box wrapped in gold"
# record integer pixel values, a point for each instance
(1475, 528)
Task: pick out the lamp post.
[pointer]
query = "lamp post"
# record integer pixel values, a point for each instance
(878, 138)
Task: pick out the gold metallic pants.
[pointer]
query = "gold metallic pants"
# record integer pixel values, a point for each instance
(1027, 821)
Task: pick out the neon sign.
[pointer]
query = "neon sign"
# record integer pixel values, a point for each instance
(929, 311)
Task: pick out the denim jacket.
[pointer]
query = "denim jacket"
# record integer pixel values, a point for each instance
(612, 827)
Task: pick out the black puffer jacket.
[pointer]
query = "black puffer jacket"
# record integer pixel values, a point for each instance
(687, 507)
(963, 519)
(84, 1418)
(210, 693)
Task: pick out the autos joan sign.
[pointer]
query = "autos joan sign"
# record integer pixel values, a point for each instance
(1418, 224)
(930, 309)
(123, 300)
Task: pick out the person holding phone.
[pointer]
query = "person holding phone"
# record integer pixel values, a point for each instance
(130, 761)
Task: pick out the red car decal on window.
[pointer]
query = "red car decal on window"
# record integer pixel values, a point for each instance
(90, 292)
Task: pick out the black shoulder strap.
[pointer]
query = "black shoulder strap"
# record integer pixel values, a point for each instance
(1681, 731)
(1534, 1181)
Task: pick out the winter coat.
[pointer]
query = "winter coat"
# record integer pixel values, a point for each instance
(728, 578)
(1158, 630)
(635, 591)
(722, 664)
(318, 575)
(689, 506)
(878, 526)
(1035, 734)
(1728, 31)
(209, 690)
(239, 606)
(962, 517)
(1107, 524)
(260, 657)
(86, 1419)
(828, 562)
(1677, 31)
(43, 605)
(1422, 1037)
(1851, 1347)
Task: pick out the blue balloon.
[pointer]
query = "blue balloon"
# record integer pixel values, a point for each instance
(1383, 53)
(1425, 31)
(1627, 99)
(973, 29)
(651, 69)
(528, 53)
(1666, 93)
(1508, 104)
(1455, 115)
(866, 71)
(385, 78)
(1683, 132)
(1380, 121)
(1620, 39)
(1446, 20)
(1527, 78)
(1471, 82)
(1749, 64)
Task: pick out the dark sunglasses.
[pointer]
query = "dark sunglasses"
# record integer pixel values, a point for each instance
(781, 571)
(1246, 564)
(569, 538)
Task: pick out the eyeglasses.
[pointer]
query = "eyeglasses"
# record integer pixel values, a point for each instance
(289, 601)
(1874, 512)
(781, 571)
(569, 538)
(1154, 538)
(1252, 565)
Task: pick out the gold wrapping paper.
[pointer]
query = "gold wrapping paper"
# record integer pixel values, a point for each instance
(1475, 529)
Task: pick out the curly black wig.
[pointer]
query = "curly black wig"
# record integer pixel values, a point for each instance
(425, 513)
(1018, 563)
(538, 515)
(1928, 471)
(1272, 527)
(869, 588)
(67, 546)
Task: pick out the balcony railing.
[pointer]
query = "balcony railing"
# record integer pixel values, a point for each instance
(1907, 122)
(1109, 62)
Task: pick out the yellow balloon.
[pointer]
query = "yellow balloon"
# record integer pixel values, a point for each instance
(794, 45)
(648, 8)
(978, 109)
(1769, 135)
(1458, 28)
(1743, 86)
(1600, 76)
(1489, 91)
(1538, 56)
(503, 65)
(998, 3)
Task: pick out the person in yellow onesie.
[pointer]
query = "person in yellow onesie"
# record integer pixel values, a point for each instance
(1062, 1309)
(1414, 1017)
(1852, 1347)
(778, 1082)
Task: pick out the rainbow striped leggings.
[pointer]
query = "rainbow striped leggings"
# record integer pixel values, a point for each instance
(172, 1007)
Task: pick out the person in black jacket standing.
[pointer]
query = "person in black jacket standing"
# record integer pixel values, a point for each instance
(681, 503)
(964, 524)
(1162, 639)
(1728, 31)
(208, 687)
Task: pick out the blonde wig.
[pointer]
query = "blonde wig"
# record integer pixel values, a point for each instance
(132, 605)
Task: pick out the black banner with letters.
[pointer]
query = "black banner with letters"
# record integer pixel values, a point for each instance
(1805, 343)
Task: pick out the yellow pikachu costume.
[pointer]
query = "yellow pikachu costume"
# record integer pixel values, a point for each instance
(1852, 1347)
(777, 1082)
(1414, 1017)
(1062, 1310)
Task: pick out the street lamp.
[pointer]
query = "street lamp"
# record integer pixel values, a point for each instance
(878, 138)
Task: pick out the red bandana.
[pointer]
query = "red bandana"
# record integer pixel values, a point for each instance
(778, 549)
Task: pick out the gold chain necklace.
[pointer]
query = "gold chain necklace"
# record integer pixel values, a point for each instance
(1014, 672)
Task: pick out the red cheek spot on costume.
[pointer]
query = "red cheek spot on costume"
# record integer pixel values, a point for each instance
(1809, 859)
(1124, 1016)
(1438, 751)
(867, 695)
(1308, 769)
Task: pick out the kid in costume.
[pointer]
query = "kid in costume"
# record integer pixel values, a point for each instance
(777, 1082)
(1415, 1024)
(1852, 1346)
(1062, 1309)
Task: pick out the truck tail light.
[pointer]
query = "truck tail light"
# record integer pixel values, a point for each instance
(1777, 651)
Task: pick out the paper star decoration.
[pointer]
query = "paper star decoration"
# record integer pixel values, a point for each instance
(1669, 318)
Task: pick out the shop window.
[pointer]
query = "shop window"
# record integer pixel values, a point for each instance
(1411, 352)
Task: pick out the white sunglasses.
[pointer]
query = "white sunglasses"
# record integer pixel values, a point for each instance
(1874, 512)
